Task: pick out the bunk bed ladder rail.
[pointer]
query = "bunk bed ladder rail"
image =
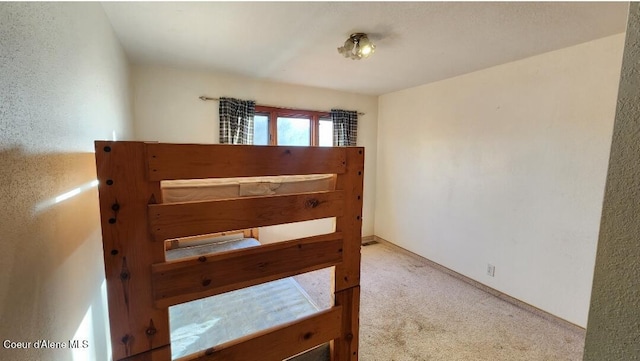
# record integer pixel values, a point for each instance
(141, 284)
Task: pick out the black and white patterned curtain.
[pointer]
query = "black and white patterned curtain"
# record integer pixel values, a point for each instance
(345, 127)
(236, 121)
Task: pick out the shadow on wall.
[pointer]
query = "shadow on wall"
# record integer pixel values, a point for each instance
(52, 268)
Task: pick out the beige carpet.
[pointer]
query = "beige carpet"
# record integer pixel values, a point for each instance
(411, 311)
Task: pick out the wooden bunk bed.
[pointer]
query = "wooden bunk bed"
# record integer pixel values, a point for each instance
(142, 283)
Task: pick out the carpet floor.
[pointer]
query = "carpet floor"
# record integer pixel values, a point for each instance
(411, 311)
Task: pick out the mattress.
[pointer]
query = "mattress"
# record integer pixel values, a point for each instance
(221, 188)
(203, 323)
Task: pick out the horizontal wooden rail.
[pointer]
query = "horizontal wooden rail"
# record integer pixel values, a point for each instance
(186, 161)
(280, 342)
(193, 218)
(156, 354)
(197, 277)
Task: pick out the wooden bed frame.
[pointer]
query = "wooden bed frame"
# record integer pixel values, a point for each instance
(141, 284)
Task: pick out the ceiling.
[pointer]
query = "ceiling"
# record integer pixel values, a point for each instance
(296, 42)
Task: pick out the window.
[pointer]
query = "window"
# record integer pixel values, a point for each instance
(325, 132)
(277, 126)
(260, 129)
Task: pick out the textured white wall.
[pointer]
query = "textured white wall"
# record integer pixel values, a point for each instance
(64, 84)
(505, 166)
(167, 109)
(613, 331)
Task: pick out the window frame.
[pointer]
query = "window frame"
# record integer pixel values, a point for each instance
(273, 113)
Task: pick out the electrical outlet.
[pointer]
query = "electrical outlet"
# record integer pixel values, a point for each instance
(491, 270)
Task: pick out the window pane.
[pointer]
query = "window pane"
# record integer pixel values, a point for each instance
(261, 130)
(294, 131)
(326, 133)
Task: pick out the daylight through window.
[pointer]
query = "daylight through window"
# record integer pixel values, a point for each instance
(278, 126)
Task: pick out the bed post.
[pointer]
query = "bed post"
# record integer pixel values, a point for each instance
(139, 331)
(347, 275)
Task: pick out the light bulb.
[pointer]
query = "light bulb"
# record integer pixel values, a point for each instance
(365, 47)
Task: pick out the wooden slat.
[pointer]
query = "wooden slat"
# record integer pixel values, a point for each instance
(203, 238)
(345, 348)
(196, 277)
(193, 218)
(350, 224)
(136, 325)
(185, 161)
(157, 354)
(280, 342)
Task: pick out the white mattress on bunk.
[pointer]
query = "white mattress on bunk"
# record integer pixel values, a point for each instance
(204, 323)
(221, 188)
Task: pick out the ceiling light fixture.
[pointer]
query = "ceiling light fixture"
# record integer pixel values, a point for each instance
(358, 46)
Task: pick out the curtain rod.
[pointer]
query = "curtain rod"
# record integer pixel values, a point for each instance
(205, 98)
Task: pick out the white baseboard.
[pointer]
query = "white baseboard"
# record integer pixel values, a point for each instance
(514, 301)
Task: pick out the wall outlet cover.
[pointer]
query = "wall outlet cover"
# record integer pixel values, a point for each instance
(491, 270)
